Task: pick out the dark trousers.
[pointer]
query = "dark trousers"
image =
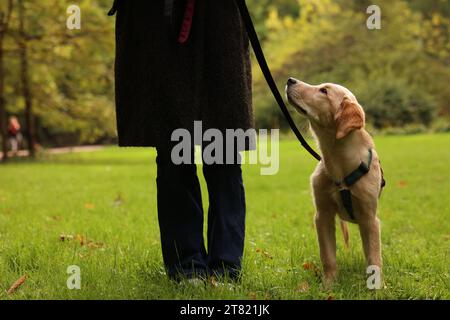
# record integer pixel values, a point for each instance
(180, 215)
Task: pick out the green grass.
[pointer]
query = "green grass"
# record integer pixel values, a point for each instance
(75, 194)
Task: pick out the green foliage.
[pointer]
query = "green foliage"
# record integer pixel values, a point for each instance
(442, 125)
(72, 76)
(260, 9)
(390, 104)
(400, 73)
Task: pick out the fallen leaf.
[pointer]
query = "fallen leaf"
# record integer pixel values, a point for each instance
(311, 266)
(252, 295)
(17, 284)
(95, 245)
(446, 238)
(87, 242)
(303, 287)
(264, 253)
(82, 240)
(402, 184)
(89, 205)
(213, 282)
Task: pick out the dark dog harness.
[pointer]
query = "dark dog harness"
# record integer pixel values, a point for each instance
(351, 179)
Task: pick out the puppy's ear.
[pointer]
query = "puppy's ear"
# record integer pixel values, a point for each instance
(350, 116)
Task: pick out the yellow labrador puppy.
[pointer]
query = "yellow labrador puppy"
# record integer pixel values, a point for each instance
(349, 179)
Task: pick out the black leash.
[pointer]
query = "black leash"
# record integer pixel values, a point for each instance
(266, 71)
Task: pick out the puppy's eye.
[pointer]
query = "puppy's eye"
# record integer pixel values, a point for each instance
(323, 90)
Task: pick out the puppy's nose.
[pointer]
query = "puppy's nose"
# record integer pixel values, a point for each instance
(291, 81)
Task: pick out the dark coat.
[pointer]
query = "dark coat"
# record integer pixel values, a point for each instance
(162, 85)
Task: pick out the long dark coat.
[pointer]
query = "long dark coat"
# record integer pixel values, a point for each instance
(162, 85)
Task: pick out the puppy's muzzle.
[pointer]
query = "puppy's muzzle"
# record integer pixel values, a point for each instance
(291, 81)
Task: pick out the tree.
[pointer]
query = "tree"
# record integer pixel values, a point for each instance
(5, 17)
(399, 73)
(61, 79)
(22, 43)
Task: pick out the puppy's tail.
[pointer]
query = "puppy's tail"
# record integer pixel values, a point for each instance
(344, 228)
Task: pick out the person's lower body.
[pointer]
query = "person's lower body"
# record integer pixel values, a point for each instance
(180, 215)
(14, 143)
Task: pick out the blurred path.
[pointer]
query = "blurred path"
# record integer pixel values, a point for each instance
(24, 153)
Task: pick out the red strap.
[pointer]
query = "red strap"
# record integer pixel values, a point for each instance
(187, 22)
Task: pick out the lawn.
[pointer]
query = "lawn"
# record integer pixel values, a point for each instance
(98, 211)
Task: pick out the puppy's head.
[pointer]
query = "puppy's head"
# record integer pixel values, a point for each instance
(327, 106)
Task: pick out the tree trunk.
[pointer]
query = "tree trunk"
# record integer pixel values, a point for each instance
(25, 82)
(3, 121)
(4, 23)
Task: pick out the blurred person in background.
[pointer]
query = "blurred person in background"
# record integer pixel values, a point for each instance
(14, 134)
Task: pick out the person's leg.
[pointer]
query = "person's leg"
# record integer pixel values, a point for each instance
(226, 218)
(19, 138)
(14, 144)
(180, 216)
